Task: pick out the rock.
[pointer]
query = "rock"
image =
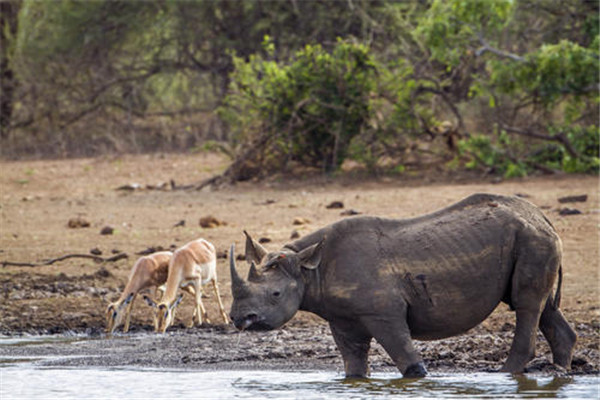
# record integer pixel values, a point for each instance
(107, 230)
(150, 250)
(180, 223)
(267, 202)
(210, 221)
(350, 212)
(295, 234)
(335, 204)
(300, 221)
(78, 222)
(240, 257)
(569, 211)
(222, 254)
(263, 240)
(96, 251)
(573, 199)
(102, 273)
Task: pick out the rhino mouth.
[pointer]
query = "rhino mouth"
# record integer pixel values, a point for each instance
(252, 322)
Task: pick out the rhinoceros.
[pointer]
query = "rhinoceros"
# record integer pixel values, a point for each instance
(423, 278)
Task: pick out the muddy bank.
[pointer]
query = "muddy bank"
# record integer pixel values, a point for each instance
(297, 346)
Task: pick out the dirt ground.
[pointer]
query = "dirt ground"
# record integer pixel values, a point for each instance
(39, 198)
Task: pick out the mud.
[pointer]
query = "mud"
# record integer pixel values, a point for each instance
(67, 299)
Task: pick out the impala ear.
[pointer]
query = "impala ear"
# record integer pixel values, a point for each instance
(310, 257)
(126, 301)
(176, 302)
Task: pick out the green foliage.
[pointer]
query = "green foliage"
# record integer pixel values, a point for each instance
(587, 144)
(484, 153)
(449, 27)
(310, 108)
(550, 73)
(387, 84)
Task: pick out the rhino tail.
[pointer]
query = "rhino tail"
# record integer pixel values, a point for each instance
(557, 295)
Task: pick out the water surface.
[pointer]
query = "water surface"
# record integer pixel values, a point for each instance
(20, 381)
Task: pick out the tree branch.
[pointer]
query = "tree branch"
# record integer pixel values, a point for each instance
(559, 137)
(485, 46)
(114, 258)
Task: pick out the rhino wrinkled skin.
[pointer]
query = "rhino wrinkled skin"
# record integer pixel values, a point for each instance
(424, 278)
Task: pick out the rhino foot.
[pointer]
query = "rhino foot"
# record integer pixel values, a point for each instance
(417, 370)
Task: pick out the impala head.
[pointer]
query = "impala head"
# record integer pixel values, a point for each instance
(163, 313)
(273, 291)
(114, 313)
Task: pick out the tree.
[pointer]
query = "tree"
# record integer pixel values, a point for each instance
(9, 11)
(305, 111)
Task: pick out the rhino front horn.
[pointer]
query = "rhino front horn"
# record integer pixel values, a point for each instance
(238, 286)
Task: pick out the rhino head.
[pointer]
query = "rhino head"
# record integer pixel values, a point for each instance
(274, 289)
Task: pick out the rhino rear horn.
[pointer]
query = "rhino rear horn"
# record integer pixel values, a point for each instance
(238, 287)
(253, 273)
(254, 250)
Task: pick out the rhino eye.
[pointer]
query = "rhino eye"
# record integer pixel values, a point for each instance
(276, 294)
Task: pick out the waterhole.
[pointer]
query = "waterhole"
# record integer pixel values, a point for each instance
(22, 382)
(27, 375)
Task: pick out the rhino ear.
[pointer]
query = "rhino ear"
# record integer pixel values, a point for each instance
(254, 251)
(310, 258)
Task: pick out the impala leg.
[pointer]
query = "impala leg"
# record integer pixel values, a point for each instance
(200, 310)
(190, 289)
(354, 345)
(128, 314)
(221, 308)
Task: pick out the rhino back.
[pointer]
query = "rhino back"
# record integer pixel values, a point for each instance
(452, 267)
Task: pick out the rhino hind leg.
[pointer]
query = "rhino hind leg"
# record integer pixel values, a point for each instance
(532, 282)
(558, 333)
(354, 346)
(522, 349)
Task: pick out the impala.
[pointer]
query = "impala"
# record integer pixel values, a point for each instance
(148, 272)
(192, 265)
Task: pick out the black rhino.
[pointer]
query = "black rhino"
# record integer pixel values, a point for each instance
(422, 278)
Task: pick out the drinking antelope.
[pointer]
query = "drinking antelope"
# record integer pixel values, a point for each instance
(195, 265)
(148, 272)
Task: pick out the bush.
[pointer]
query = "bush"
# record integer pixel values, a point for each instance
(305, 111)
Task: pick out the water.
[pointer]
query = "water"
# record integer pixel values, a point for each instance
(25, 382)
(27, 378)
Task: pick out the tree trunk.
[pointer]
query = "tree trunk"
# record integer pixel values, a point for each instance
(9, 11)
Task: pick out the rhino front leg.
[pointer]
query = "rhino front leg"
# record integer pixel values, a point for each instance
(354, 345)
(394, 335)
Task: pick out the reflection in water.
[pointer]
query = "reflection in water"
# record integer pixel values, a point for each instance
(480, 385)
(528, 386)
